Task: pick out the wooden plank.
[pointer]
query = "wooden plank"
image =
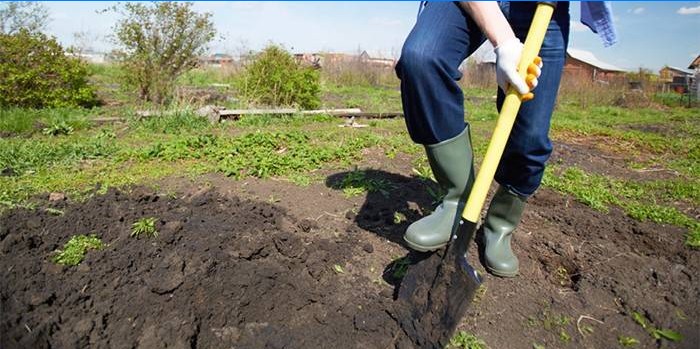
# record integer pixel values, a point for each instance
(341, 112)
(232, 112)
(105, 120)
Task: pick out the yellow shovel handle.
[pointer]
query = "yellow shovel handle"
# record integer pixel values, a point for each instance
(506, 119)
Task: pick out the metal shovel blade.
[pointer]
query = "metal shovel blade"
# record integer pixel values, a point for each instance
(436, 292)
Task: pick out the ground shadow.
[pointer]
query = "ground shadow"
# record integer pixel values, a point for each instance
(392, 203)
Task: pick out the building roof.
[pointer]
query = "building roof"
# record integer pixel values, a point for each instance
(486, 54)
(695, 64)
(677, 70)
(588, 58)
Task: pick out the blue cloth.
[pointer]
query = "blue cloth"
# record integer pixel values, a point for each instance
(597, 15)
(433, 102)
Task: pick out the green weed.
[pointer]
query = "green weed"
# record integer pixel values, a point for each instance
(144, 226)
(170, 122)
(399, 217)
(655, 332)
(25, 122)
(60, 128)
(464, 340)
(53, 211)
(422, 169)
(356, 182)
(24, 155)
(74, 250)
(627, 341)
(399, 267)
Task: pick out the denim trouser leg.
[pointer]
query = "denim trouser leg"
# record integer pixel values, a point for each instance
(528, 148)
(433, 101)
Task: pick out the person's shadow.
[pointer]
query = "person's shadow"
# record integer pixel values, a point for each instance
(392, 202)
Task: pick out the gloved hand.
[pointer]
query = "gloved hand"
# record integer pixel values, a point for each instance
(507, 58)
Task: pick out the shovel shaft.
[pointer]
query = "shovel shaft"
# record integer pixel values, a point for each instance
(506, 119)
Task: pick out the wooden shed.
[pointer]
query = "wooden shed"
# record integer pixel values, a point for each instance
(584, 64)
(675, 79)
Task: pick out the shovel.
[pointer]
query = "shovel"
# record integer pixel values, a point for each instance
(436, 291)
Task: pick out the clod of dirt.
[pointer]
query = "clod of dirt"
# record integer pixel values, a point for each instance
(57, 197)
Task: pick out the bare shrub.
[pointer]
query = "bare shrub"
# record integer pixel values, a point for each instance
(23, 15)
(158, 42)
(356, 71)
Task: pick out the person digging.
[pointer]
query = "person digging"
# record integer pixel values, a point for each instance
(445, 34)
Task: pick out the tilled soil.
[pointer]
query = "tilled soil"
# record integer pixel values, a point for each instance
(267, 264)
(222, 273)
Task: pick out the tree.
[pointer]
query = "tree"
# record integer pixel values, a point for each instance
(158, 42)
(31, 16)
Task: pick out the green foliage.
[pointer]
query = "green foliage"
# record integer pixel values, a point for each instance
(399, 267)
(158, 42)
(144, 226)
(265, 154)
(74, 250)
(637, 200)
(25, 122)
(655, 332)
(464, 340)
(35, 72)
(175, 123)
(422, 169)
(274, 78)
(57, 129)
(591, 190)
(356, 182)
(23, 155)
(627, 341)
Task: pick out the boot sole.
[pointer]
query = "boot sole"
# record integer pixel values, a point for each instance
(421, 248)
(501, 273)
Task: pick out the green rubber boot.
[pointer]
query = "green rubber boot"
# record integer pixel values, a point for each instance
(502, 218)
(451, 162)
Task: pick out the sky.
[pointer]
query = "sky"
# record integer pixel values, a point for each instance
(651, 34)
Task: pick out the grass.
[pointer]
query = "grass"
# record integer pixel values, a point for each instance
(74, 250)
(145, 226)
(26, 122)
(464, 340)
(295, 147)
(641, 201)
(365, 97)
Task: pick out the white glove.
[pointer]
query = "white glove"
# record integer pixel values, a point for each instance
(507, 58)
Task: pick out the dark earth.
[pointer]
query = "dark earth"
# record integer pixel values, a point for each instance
(268, 264)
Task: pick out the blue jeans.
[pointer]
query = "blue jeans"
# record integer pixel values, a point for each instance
(433, 102)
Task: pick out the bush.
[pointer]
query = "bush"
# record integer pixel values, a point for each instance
(35, 72)
(158, 43)
(274, 78)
